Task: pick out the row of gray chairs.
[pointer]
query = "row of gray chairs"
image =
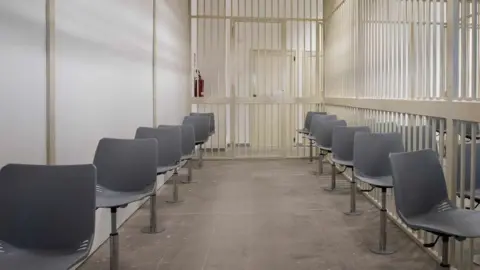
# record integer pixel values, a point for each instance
(204, 125)
(417, 179)
(306, 132)
(48, 218)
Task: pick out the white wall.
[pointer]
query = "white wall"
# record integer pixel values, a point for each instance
(104, 73)
(22, 81)
(103, 78)
(173, 56)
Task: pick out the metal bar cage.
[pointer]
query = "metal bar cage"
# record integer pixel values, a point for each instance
(399, 65)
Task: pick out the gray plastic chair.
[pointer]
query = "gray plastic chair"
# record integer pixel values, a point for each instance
(188, 147)
(312, 129)
(422, 202)
(47, 218)
(342, 154)
(372, 166)
(126, 172)
(323, 138)
(169, 152)
(201, 125)
(308, 119)
(211, 123)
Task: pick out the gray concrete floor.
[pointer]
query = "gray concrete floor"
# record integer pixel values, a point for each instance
(260, 215)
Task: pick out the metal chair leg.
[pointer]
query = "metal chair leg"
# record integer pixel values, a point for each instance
(200, 159)
(190, 173)
(153, 228)
(320, 164)
(114, 255)
(333, 184)
(175, 198)
(382, 244)
(353, 198)
(311, 151)
(445, 262)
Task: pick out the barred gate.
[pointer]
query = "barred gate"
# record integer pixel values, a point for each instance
(261, 61)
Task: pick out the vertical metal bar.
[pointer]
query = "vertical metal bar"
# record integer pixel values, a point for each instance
(269, 45)
(233, 86)
(405, 53)
(246, 92)
(370, 49)
(154, 62)
(434, 48)
(383, 59)
(452, 88)
(443, 55)
(50, 82)
(474, 46)
(473, 172)
(220, 72)
(423, 51)
(285, 128)
(418, 52)
(377, 55)
(428, 50)
(461, 168)
(463, 50)
(442, 140)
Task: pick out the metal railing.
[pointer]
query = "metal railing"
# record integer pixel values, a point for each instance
(410, 65)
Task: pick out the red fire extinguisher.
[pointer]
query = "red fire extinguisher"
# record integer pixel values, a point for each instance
(198, 84)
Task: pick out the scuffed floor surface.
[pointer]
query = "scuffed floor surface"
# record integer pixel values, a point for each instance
(259, 215)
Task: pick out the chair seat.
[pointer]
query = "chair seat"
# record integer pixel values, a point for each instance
(15, 258)
(303, 131)
(187, 157)
(476, 194)
(450, 222)
(347, 163)
(381, 181)
(109, 198)
(324, 148)
(165, 169)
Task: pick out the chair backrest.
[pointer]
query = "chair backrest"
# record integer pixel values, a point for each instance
(47, 207)
(371, 152)
(419, 183)
(188, 138)
(324, 130)
(126, 165)
(169, 143)
(211, 123)
(468, 165)
(343, 141)
(308, 118)
(317, 118)
(200, 124)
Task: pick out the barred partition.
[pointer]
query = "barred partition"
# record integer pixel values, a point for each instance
(261, 61)
(399, 65)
